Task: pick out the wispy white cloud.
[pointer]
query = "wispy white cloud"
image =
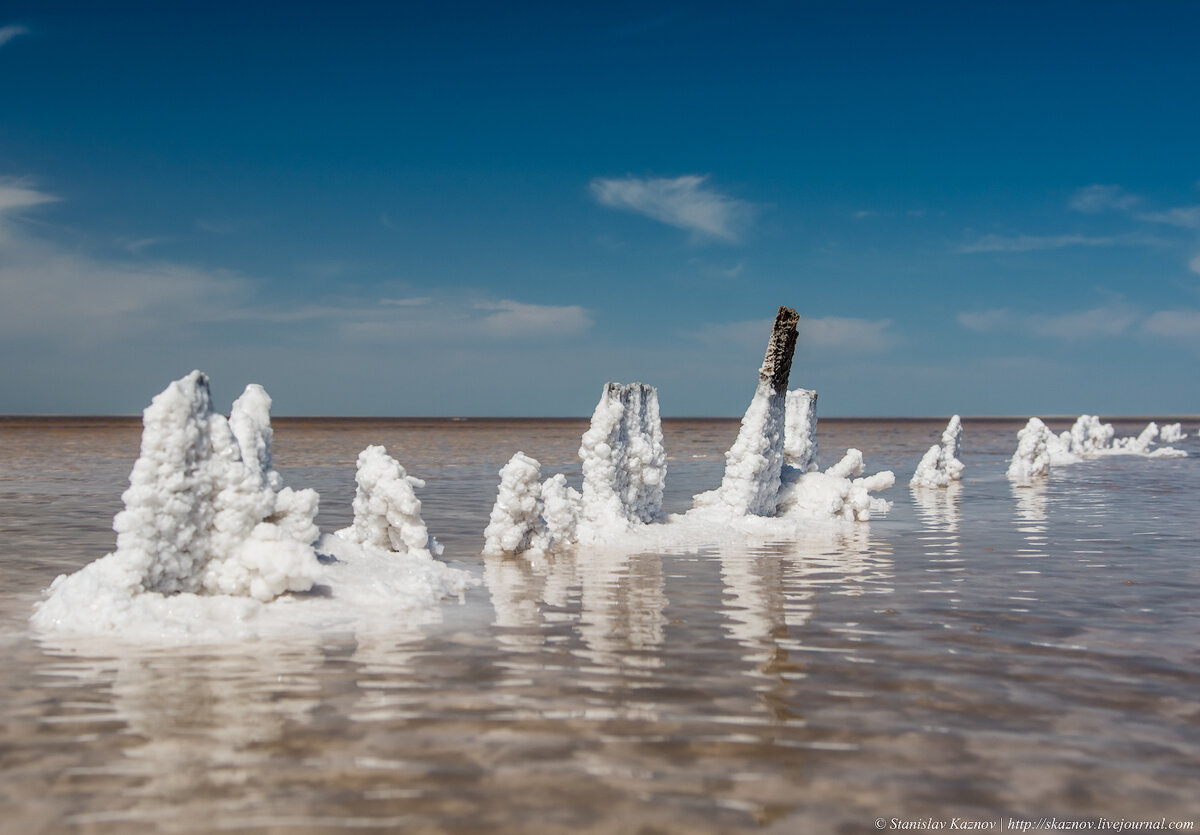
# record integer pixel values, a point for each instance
(20, 194)
(49, 291)
(1031, 243)
(1194, 265)
(512, 319)
(685, 202)
(1185, 217)
(826, 334)
(1096, 199)
(1180, 325)
(1103, 322)
(7, 33)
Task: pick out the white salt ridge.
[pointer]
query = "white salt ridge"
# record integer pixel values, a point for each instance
(940, 465)
(210, 544)
(624, 460)
(387, 512)
(800, 430)
(1038, 448)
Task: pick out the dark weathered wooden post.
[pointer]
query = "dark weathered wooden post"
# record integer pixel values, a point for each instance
(777, 365)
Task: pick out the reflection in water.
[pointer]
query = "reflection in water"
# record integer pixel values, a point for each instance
(938, 510)
(1032, 503)
(193, 725)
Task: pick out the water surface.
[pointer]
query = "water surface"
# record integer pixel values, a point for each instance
(982, 652)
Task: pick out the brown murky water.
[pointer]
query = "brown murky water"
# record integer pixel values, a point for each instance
(986, 653)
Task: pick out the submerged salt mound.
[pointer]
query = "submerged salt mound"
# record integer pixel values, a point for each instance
(800, 430)
(754, 464)
(940, 465)
(387, 512)
(624, 460)
(837, 493)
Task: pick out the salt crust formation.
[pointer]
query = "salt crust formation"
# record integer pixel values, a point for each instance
(1039, 449)
(211, 546)
(1172, 433)
(940, 466)
(766, 490)
(800, 430)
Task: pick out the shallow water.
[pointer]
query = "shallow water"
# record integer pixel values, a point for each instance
(982, 652)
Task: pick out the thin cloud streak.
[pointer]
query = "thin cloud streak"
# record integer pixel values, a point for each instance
(1034, 243)
(1096, 199)
(7, 33)
(1104, 322)
(837, 334)
(683, 202)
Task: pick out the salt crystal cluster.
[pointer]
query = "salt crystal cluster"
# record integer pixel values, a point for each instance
(800, 430)
(940, 465)
(624, 473)
(209, 536)
(624, 460)
(1038, 448)
(1172, 433)
(200, 516)
(387, 512)
(837, 493)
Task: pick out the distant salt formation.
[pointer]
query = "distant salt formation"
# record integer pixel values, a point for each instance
(940, 465)
(210, 540)
(1038, 449)
(624, 460)
(771, 484)
(1172, 433)
(387, 512)
(800, 430)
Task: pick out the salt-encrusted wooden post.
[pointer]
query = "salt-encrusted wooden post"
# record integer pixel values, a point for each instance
(777, 365)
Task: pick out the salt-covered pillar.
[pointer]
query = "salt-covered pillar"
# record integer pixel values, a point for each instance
(940, 465)
(755, 461)
(624, 460)
(800, 430)
(387, 512)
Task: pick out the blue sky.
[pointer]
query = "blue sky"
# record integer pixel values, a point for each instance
(478, 209)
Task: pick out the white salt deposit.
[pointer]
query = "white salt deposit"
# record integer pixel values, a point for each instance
(387, 512)
(1038, 448)
(209, 544)
(836, 493)
(624, 461)
(516, 516)
(561, 509)
(800, 430)
(1172, 433)
(940, 465)
(754, 464)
